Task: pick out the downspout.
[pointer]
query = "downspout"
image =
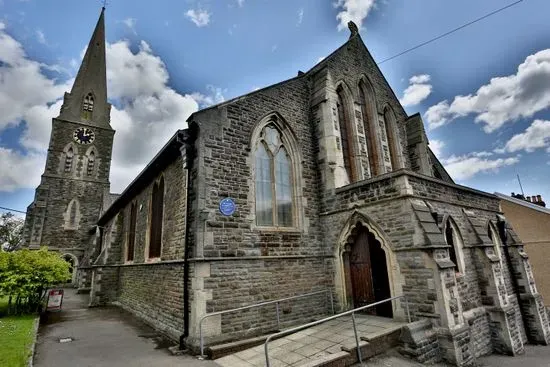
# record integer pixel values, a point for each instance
(188, 144)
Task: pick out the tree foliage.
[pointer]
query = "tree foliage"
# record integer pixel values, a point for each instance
(11, 231)
(26, 275)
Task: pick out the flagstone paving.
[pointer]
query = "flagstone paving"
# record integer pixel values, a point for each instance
(312, 343)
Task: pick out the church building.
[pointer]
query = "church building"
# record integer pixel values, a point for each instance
(320, 183)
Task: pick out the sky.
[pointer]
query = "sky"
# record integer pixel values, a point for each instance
(483, 91)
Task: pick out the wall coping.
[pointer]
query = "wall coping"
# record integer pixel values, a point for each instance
(407, 173)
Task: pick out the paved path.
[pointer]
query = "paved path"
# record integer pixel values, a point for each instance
(534, 356)
(102, 337)
(312, 343)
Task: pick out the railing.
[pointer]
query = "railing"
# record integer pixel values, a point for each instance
(276, 302)
(314, 323)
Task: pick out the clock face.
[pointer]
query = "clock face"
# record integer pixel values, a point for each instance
(83, 135)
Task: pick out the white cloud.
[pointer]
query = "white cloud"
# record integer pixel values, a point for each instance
(352, 10)
(534, 137)
(467, 166)
(131, 24)
(437, 147)
(503, 99)
(300, 16)
(417, 91)
(214, 96)
(22, 83)
(273, 48)
(240, 3)
(147, 107)
(17, 169)
(201, 18)
(41, 37)
(146, 113)
(419, 79)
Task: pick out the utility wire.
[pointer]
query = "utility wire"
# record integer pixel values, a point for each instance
(12, 210)
(451, 31)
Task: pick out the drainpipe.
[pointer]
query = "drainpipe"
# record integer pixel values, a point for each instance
(189, 145)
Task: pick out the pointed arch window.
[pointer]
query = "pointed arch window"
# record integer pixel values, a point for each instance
(274, 187)
(495, 239)
(157, 212)
(132, 232)
(454, 240)
(91, 163)
(72, 214)
(369, 125)
(88, 106)
(390, 122)
(69, 156)
(346, 137)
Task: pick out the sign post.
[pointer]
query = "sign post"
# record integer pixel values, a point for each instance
(55, 300)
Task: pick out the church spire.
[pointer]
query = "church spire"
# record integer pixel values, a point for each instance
(87, 101)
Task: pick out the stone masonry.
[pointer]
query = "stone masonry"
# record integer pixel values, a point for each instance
(370, 214)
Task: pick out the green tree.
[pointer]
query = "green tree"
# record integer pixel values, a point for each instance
(26, 275)
(11, 231)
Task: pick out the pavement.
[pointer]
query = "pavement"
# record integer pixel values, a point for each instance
(111, 337)
(534, 356)
(312, 343)
(102, 337)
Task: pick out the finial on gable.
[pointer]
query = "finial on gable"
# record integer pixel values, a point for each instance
(353, 29)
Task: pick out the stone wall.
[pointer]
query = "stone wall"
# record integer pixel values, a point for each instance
(154, 292)
(152, 289)
(236, 283)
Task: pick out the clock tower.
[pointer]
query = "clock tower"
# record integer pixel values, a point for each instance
(75, 182)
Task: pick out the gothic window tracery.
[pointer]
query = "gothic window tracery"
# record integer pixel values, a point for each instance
(157, 209)
(390, 122)
(368, 125)
(88, 106)
(273, 170)
(69, 155)
(91, 163)
(345, 135)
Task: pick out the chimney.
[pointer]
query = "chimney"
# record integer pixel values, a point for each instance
(528, 198)
(534, 199)
(539, 198)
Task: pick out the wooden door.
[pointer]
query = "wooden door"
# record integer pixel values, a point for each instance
(361, 271)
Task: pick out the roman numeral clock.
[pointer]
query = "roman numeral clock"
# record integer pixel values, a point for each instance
(84, 135)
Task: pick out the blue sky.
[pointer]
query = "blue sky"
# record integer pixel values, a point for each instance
(483, 92)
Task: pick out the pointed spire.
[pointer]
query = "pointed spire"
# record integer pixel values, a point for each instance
(93, 63)
(87, 101)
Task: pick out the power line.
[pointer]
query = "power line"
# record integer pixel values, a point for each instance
(12, 210)
(451, 31)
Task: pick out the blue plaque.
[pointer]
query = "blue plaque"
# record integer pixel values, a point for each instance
(227, 206)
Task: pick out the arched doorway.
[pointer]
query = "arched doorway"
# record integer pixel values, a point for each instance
(71, 259)
(366, 272)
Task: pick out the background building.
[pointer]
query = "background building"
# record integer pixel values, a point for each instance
(531, 221)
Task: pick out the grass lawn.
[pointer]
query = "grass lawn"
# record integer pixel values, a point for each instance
(16, 337)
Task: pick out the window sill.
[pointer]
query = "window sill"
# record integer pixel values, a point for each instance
(153, 260)
(277, 229)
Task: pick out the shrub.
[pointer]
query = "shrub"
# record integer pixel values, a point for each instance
(26, 275)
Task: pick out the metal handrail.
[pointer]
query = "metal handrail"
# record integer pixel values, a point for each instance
(350, 312)
(277, 301)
